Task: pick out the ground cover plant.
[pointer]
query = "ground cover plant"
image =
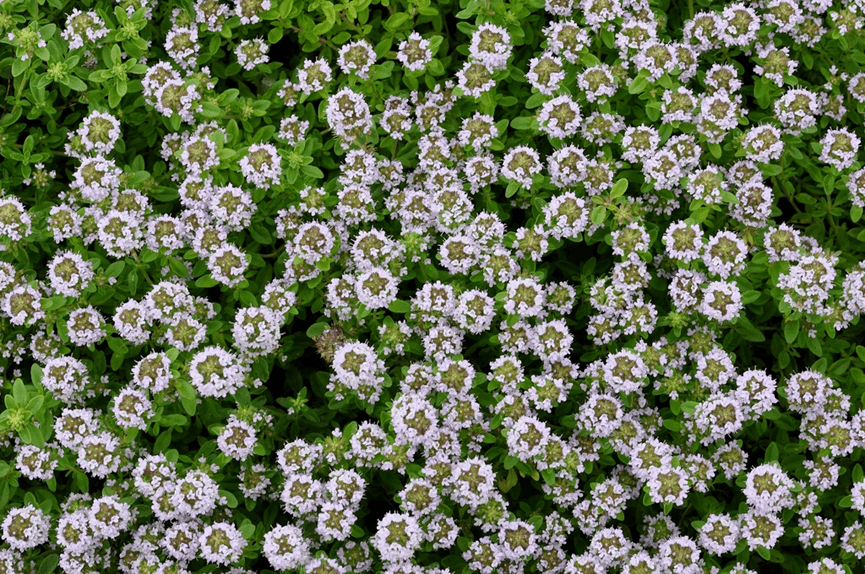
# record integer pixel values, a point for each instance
(398, 286)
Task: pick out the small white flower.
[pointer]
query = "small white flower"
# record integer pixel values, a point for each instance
(237, 438)
(722, 301)
(414, 53)
(397, 537)
(26, 527)
(286, 548)
(221, 543)
(521, 164)
(839, 148)
(357, 56)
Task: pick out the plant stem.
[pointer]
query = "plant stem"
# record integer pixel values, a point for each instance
(274, 254)
(20, 90)
(785, 194)
(143, 269)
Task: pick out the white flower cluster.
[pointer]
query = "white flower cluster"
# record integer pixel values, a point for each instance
(414, 52)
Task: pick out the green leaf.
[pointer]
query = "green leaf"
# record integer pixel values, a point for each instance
(247, 529)
(25, 435)
(791, 331)
(174, 420)
(117, 345)
(206, 281)
(260, 234)
(609, 38)
(772, 415)
(638, 85)
(37, 438)
(729, 197)
(524, 123)
(53, 303)
(512, 189)
(647, 499)
(329, 11)
(435, 67)
(672, 425)
(48, 564)
(115, 269)
(117, 361)
(315, 330)
(814, 346)
(162, 442)
(36, 375)
(396, 21)
(599, 213)
(242, 396)
(19, 66)
(285, 8)
(187, 397)
(224, 154)
(749, 297)
(114, 101)
(399, 306)
(510, 480)
(113, 54)
(274, 36)
(829, 183)
(210, 110)
(689, 407)
(357, 531)
(185, 390)
(82, 481)
(620, 188)
(764, 552)
(177, 267)
(312, 171)
(653, 111)
(263, 134)
(189, 405)
(772, 453)
(535, 101)
(748, 331)
(149, 256)
(19, 392)
(715, 150)
(772, 170)
(588, 59)
(761, 90)
(231, 500)
(855, 213)
(34, 405)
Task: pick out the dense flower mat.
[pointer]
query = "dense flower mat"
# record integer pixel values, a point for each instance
(412, 287)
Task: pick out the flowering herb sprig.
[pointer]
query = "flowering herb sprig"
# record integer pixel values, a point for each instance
(547, 286)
